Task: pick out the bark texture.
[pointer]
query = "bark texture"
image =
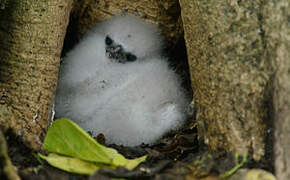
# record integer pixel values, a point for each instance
(164, 13)
(278, 25)
(230, 72)
(31, 34)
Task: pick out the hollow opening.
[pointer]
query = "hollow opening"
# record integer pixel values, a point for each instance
(177, 57)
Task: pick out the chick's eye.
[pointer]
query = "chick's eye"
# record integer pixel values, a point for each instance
(108, 41)
(131, 57)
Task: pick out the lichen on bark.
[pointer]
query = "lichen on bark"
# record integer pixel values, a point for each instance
(277, 28)
(31, 34)
(230, 72)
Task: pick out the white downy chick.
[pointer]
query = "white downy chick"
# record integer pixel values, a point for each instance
(115, 82)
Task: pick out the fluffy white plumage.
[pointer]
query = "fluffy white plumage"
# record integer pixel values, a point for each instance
(129, 102)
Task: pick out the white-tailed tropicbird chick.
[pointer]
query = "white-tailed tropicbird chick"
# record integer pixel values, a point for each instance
(116, 83)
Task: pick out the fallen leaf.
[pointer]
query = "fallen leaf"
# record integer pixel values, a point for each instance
(67, 138)
(74, 150)
(69, 164)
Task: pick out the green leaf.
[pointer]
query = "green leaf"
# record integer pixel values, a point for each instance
(132, 163)
(69, 164)
(64, 137)
(67, 138)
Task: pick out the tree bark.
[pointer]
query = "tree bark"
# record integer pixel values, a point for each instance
(231, 72)
(31, 34)
(278, 25)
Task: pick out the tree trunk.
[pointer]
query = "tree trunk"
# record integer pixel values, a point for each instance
(31, 34)
(231, 72)
(278, 25)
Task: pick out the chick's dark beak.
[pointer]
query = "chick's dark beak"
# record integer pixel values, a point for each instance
(116, 52)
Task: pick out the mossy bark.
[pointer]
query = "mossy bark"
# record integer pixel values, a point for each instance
(31, 34)
(164, 13)
(278, 26)
(231, 72)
